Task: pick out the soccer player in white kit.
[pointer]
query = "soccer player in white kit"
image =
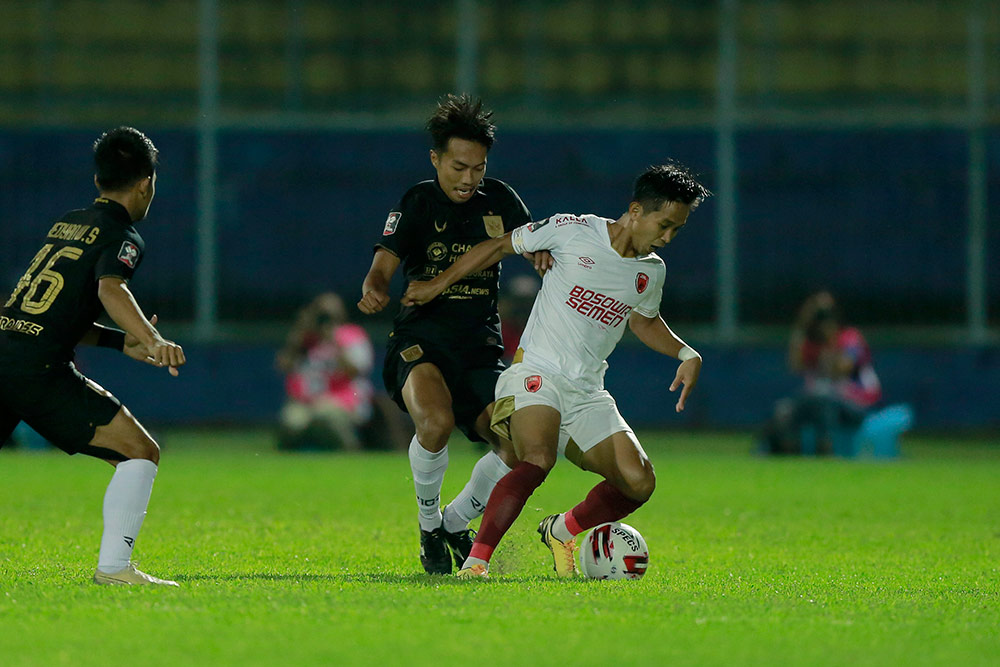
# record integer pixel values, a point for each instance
(552, 397)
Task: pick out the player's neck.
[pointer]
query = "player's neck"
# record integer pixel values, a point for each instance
(126, 200)
(621, 237)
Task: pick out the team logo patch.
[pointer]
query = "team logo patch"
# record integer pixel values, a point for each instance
(129, 254)
(641, 282)
(412, 353)
(437, 251)
(391, 222)
(494, 225)
(533, 383)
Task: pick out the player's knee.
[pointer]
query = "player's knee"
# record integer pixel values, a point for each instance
(639, 484)
(544, 459)
(434, 429)
(146, 448)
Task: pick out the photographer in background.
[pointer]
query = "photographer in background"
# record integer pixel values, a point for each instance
(327, 362)
(840, 383)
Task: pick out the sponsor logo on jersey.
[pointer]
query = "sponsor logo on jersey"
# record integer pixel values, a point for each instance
(596, 306)
(391, 222)
(641, 282)
(570, 220)
(494, 225)
(129, 254)
(440, 227)
(586, 262)
(533, 383)
(437, 251)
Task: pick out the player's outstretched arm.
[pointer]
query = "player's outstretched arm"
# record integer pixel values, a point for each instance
(480, 256)
(656, 335)
(121, 306)
(375, 288)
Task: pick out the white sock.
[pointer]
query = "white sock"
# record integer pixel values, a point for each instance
(560, 531)
(428, 475)
(125, 504)
(471, 502)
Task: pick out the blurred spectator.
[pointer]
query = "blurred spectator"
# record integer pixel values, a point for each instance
(515, 307)
(327, 362)
(840, 384)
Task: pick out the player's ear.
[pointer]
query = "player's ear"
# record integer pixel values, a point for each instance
(144, 185)
(96, 184)
(435, 159)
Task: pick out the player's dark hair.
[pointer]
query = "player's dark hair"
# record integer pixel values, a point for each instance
(668, 182)
(123, 156)
(462, 117)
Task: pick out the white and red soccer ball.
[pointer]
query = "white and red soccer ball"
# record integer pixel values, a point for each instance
(614, 551)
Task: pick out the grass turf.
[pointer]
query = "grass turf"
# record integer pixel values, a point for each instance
(311, 559)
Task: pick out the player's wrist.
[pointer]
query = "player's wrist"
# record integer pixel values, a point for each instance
(687, 353)
(111, 338)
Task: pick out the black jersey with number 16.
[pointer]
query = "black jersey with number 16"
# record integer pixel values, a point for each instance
(55, 302)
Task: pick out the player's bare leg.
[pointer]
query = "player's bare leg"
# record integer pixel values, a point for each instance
(470, 503)
(535, 431)
(428, 401)
(629, 481)
(126, 498)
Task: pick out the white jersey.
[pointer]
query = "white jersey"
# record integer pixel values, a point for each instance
(582, 310)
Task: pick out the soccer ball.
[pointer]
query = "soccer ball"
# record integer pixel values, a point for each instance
(614, 551)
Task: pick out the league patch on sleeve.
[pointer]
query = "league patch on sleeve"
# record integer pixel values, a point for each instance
(538, 225)
(129, 254)
(391, 222)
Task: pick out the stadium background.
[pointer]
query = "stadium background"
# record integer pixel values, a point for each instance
(852, 145)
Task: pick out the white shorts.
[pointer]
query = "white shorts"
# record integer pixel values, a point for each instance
(588, 415)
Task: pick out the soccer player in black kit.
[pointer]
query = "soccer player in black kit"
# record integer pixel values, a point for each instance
(443, 359)
(82, 268)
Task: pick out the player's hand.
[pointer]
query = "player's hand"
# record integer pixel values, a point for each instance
(135, 349)
(687, 375)
(541, 259)
(373, 301)
(166, 353)
(420, 292)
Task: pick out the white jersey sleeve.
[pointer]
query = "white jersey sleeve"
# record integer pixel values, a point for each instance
(534, 236)
(650, 305)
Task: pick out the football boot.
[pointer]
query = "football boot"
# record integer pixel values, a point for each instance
(562, 552)
(434, 554)
(130, 576)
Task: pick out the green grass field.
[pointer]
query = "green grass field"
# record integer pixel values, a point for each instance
(311, 559)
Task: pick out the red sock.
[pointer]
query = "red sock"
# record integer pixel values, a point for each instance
(505, 504)
(604, 503)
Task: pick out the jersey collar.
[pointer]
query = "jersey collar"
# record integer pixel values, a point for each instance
(114, 209)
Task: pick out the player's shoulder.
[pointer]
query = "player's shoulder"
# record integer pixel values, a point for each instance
(422, 191)
(496, 187)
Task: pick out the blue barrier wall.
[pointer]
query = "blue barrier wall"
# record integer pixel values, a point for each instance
(238, 384)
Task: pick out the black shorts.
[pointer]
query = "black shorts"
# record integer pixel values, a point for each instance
(61, 404)
(470, 373)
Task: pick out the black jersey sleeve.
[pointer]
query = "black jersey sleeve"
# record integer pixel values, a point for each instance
(120, 257)
(402, 227)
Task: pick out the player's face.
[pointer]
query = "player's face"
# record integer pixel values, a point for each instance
(654, 229)
(460, 168)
